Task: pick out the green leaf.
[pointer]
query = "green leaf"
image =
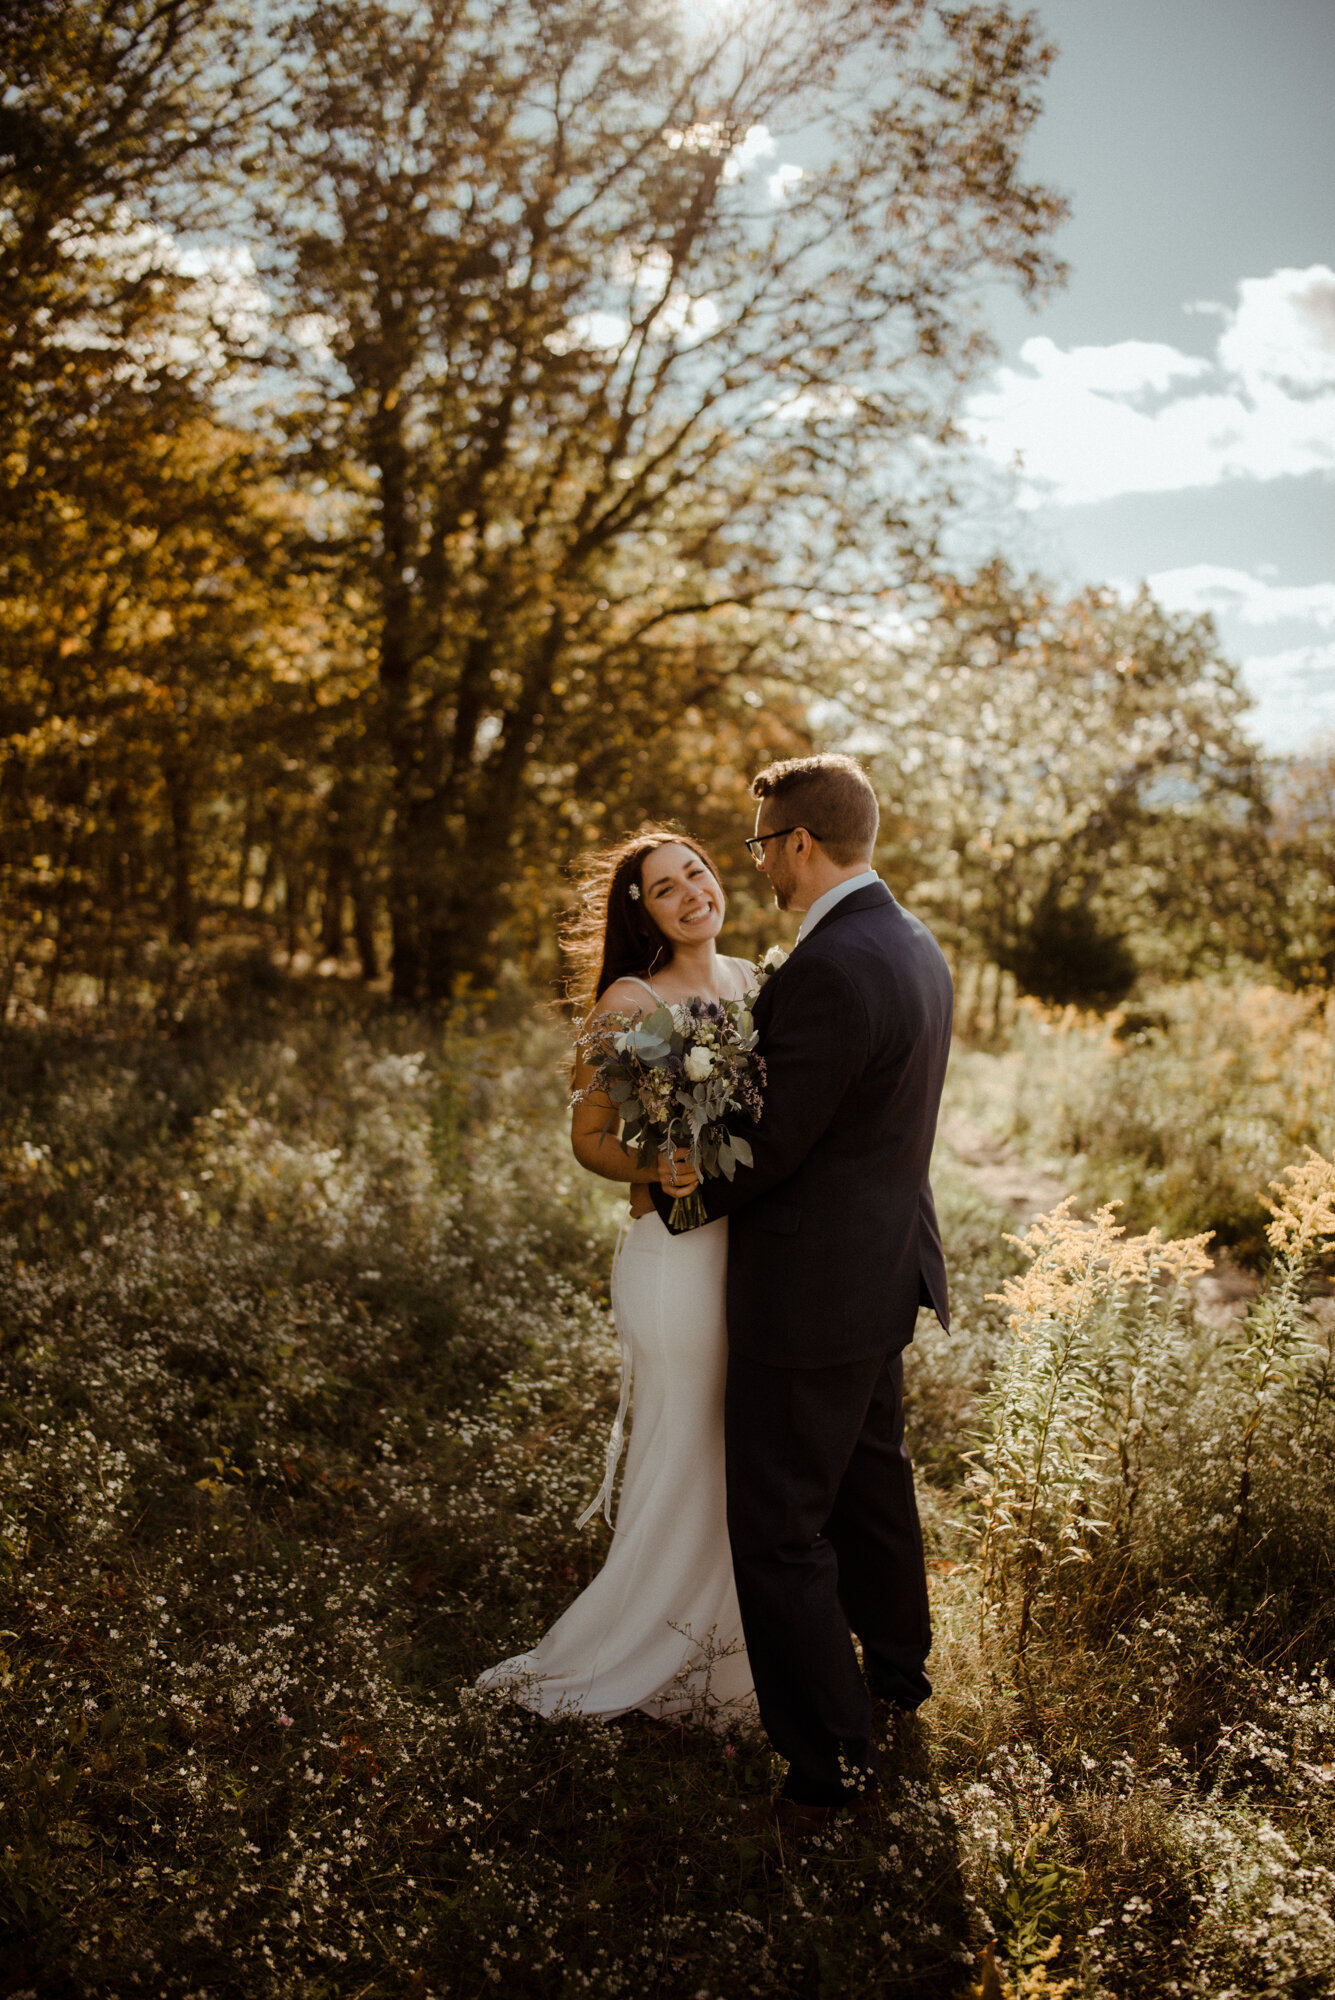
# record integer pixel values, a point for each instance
(741, 1151)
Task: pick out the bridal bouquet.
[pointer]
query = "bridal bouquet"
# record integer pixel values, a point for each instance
(676, 1078)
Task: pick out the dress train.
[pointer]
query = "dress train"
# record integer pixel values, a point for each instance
(658, 1628)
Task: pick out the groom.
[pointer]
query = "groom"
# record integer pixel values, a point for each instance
(832, 1248)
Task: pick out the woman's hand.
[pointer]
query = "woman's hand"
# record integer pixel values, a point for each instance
(676, 1175)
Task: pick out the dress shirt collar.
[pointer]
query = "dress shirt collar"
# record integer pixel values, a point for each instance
(824, 904)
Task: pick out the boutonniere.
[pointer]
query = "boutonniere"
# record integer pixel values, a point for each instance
(776, 956)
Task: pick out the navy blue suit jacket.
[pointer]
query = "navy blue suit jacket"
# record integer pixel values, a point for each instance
(833, 1241)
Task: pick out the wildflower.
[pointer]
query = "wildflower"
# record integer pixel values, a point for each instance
(1304, 1223)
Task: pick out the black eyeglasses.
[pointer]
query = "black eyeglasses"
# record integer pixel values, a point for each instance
(756, 844)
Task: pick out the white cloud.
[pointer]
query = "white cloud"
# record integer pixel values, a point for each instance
(689, 318)
(711, 136)
(1089, 423)
(682, 318)
(1236, 593)
(599, 330)
(1295, 695)
(1283, 330)
(1126, 368)
(1294, 689)
(757, 145)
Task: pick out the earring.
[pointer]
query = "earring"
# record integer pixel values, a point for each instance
(634, 892)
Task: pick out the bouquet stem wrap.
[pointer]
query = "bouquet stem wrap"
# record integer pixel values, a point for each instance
(687, 1212)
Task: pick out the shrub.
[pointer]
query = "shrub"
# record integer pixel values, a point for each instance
(1183, 1124)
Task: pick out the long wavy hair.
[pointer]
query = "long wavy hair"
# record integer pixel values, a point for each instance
(611, 932)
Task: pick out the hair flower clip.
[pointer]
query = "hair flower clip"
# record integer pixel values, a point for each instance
(634, 892)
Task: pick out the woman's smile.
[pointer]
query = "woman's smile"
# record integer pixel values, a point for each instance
(680, 893)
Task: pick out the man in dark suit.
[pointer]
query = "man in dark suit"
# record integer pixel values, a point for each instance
(833, 1246)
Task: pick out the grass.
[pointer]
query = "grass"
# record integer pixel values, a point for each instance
(305, 1369)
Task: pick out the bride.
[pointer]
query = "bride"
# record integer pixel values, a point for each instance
(658, 1628)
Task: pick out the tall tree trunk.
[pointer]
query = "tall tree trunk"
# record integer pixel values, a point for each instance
(331, 915)
(405, 728)
(363, 927)
(460, 904)
(184, 924)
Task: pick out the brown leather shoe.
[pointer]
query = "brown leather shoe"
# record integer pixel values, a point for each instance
(865, 1809)
(793, 1820)
(790, 1819)
(897, 1730)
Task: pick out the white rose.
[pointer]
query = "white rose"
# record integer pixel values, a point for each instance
(699, 1062)
(773, 959)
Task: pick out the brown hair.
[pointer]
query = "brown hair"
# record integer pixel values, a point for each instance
(611, 932)
(831, 796)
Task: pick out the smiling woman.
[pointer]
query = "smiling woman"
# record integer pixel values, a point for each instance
(651, 910)
(659, 1627)
(646, 907)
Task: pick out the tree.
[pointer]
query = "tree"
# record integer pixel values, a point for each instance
(609, 399)
(1074, 794)
(132, 550)
(1304, 841)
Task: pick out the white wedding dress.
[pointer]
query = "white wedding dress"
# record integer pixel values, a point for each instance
(658, 1628)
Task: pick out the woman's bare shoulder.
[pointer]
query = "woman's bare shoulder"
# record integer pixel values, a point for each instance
(623, 996)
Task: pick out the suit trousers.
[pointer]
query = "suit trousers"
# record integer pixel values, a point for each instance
(826, 1543)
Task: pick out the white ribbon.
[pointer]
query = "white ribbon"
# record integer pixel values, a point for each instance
(617, 1439)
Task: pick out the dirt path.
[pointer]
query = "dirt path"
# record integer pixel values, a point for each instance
(1000, 1174)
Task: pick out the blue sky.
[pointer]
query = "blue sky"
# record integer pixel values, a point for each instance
(1171, 414)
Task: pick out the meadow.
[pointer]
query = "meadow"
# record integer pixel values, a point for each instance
(305, 1374)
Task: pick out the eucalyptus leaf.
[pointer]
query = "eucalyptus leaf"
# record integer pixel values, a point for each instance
(741, 1151)
(651, 1049)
